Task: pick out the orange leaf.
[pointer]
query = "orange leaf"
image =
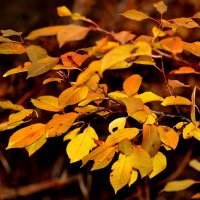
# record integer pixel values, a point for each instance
(184, 70)
(123, 36)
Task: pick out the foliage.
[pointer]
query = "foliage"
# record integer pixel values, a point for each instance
(134, 149)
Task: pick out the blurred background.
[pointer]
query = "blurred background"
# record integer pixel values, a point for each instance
(48, 175)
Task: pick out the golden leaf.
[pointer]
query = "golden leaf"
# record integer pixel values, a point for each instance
(11, 48)
(176, 100)
(191, 130)
(20, 116)
(193, 48)
(192, 114)
(35, 52)
(195, 164)
(72, 134)
(60, 124)
(161, 7)
(168, 136)
(63, 11)
(135, 15)
(9, 105)
(134, 176)
(185, 22)
(185, 70)
(149, 97)
(125, 147)
(49, 80)
(123, 36)
(157, 32)
(117, 124)
(176, 84)
(80, 146)
(140, 115)
(26, 136)
(10, 32)
(132, 84)
(87, 109)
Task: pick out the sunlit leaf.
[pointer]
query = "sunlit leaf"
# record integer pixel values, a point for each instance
(196, 15)
(135, 15)
(142, 48)
(117, 95)
(49, 103)
(184, 70)
(132, 84)
(161, 7)
(63, 11)
(11, 48)
(26, 136)
(159, 164)
(157, 32)
(72, 96)
(80, 146)
(185, 22)
(195, 164)
(35, 53)
(46, 31)
(60, 124)
(175, 186)
(123, 36)
(168, 136)
(140, 115)
(149, 97)
(180, 125)
(103, 159)
(50, 80)
(92, 83)
(87, 109)
(9, 105)
(4, 39)
(176, 100)
(134, 176)
(117, 124)
(193, 48)
(151, 139)
(196, 196)
(72, 134)
(41, 66)
(10, 32)
(126, 147)
(176, 84)
(22, 115)
(193, 115)
(191, 130)
(144, 60)
(70, 33)
(121, 172)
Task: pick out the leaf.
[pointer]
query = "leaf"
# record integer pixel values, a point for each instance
(176, 84)
(9, 105)
(4, 39)
(176, 100)
(35, 53)
(36, 145)
(78, 16)
(41, 66)
(160, 7)
(117, 95)
(140, 115)
(117, 124)
(11, 48)
(172, 44)
(196, 15)
(60, 124)
(191, 130)
(72, 96)
(26, 136)
(46, 31)
(132, 84)
(193, 48)
(141, 160)
(168, 136)
(49, 80)
(63, 11)
(22, 115)
(49, 103)
(126, 147)
(71, 33)
(195, 164)
(123, 36)
(184, 70)
(72, 134)
(115, 58)
(92, 83)
(192, 114)
(149, 97)
(121, 172)
(87, 109)
(134, 176)
(103, 159)
(196, 196)
(144, 60)
(135, 15)
(158, 32)
(159, 164)
(80, 146)
(9, 125)
(151, 139)
(185, 22)
(175, 186)
(18, 69)
(10, 32)
(142, 48)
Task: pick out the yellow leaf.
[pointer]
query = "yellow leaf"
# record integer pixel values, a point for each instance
(134, 176)
(49, 103)
(176, 84)
(92, 83)
(11, 48)
(149, 97)
(175, 186)
(159, 164)
(176, 100)
(63, 11)
(126, 147)
(115, 58)
(26, 136)
(132, 84)
(141, 160)
(80, 146)
(49, 80)
(87, 109)
(185, 22)
(179, 125)
(41, 66)
(104, 158)
(196, 15)
(193, 48)
(10, 32)
(144, 60)
(60, 124)
(123, 36)
(72, 134)
(160, 7)
(70, 33)
(135, 15)
(121, 134)
(72, 96)
(142, 48)
(151, 140)
(9, 125)
(117, 95)
(121, 172)
(20, 116)
(36, 145)
(117, 124)
(173, 45)
(46, 31)
(78, 16)
(193, 115)
(151, 119)
(9, 105)
(140, 115)
(35, 52)
(195, 164)
(4, 39)
(157, 32)
(168, 136)
(191, 130)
